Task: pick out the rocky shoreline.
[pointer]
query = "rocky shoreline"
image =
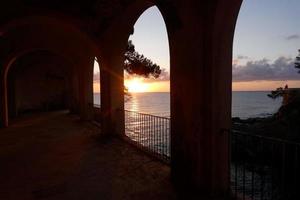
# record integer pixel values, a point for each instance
(284, 124)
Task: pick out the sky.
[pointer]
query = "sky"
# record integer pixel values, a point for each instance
(266, 42)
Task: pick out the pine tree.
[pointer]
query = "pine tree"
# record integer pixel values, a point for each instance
(137, 64)
(297, 63)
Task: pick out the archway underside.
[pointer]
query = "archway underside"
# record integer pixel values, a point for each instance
(200, 36)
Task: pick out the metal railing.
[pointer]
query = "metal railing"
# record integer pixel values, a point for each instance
(97, 113)
(150, 133)
(96, 105)
(264, 168)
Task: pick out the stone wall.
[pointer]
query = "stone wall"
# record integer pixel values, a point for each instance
(39, 84)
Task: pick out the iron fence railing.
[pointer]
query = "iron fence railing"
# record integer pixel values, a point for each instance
(149, 132)
(97, 113)
(96, 105)
(264, 168)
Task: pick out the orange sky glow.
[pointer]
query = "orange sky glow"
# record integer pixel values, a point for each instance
(137, 85)
(140, 85)
(263, 85)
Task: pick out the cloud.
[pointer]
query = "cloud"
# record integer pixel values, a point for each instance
(97, 77)
(242, 57)
(164, 75)
(293, 37)
(281, 69)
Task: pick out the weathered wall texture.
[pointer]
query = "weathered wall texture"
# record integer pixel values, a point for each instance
(40, 83)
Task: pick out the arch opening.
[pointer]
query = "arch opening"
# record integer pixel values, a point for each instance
(97, 91)
(97, 84)
(147, 91)
(266, 43)
(37, 81)
(31, 34)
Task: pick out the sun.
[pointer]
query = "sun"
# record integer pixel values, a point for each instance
(136, 85)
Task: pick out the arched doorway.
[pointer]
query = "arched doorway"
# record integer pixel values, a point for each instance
(97, 91)
(265, 47)
(96, 84)
(37, 81)
(147, 93)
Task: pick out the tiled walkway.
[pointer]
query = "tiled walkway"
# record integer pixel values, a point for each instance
(56, 156)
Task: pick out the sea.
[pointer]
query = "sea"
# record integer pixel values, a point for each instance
(244, 104)
(155, 134)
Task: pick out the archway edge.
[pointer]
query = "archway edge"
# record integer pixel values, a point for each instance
(10, 60)
(201, 55)
(45, 33)
(122, 27)
(61, 25)
(12, 57)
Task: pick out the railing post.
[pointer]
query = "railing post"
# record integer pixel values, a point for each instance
(148, 132)
(273, 167)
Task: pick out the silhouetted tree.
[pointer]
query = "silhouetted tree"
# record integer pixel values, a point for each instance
(297, 63)
(279, 92)
(137, 64)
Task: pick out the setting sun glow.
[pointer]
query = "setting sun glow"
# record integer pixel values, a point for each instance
(136, 85)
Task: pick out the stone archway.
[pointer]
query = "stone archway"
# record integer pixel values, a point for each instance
(12, 61)
(38, 81)
(32, 34)
(201, 37)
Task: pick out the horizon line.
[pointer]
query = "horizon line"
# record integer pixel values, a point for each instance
(170, 92)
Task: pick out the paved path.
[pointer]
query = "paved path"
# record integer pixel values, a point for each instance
(55, 156)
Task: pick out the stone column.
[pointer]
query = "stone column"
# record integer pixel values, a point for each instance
(85, 81)
(201, 77)
(113, 44)
(3, 104)
(11, 94)
(112, 93)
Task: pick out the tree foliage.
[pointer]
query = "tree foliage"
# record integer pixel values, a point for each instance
(297, 63)
(137, 64)
(279, 92)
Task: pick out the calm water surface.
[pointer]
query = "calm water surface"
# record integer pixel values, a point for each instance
(244, 104)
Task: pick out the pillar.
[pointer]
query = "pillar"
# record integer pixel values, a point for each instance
(11, 96)
(85, 88)
(3, 104)
(113, 43)
(201, 78)
(112, 93)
